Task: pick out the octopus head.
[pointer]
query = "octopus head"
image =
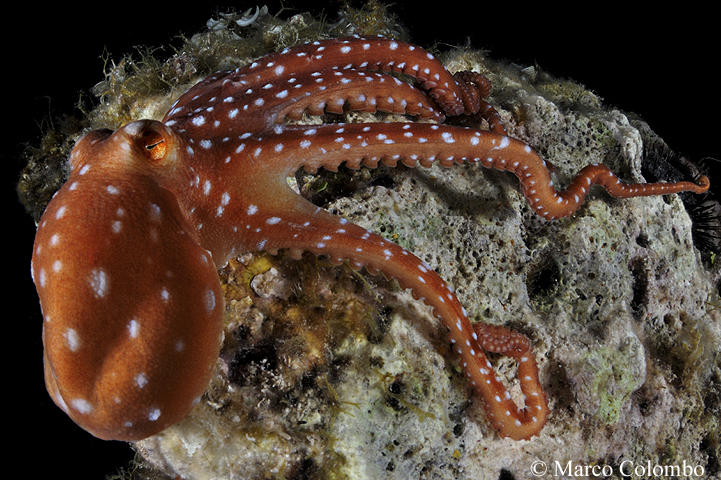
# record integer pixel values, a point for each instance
(131, 302)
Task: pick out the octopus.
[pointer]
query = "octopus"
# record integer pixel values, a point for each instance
(126, 254)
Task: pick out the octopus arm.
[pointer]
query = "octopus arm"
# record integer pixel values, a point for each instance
(297, 225)
(369, 144)
(359, 91)
(372, 54)
(329, 90)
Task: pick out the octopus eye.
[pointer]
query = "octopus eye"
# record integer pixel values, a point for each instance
(149, 139)
(155, 145)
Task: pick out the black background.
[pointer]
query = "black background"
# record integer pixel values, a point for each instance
(661, 63)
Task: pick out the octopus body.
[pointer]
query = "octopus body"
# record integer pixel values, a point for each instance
(126, 254)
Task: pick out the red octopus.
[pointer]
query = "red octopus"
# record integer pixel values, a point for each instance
(126, 254)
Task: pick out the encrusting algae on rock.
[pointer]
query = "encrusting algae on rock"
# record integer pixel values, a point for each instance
(329, 373)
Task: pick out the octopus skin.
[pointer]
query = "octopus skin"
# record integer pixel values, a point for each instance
(126, 254)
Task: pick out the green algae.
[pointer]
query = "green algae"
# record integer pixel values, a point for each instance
(613, 382)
